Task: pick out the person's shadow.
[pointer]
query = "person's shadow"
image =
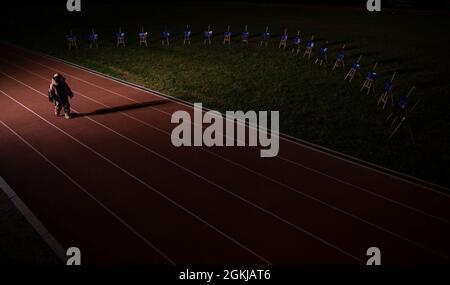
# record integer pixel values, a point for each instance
(121, 108)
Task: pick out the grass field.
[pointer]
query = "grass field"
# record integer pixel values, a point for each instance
(315, 103)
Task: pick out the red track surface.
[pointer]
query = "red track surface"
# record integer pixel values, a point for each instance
(111, 183)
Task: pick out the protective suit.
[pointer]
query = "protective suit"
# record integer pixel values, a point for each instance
(59, 94)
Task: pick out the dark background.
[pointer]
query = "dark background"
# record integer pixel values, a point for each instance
(406, 4)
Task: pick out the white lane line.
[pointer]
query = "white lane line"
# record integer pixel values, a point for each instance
(38, 226)
(78, 185)
(403, 205)
(380, 196)
(340, 156)
(237, 196)
(148, 186)
(278, 182)
(193, 173)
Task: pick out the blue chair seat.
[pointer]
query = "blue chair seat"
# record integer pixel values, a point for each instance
(356, 65)
(371, 75)
(401, 103)
(93, 37)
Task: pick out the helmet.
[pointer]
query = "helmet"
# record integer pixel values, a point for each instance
(58, 77)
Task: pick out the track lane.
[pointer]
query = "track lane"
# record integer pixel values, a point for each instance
(392, 214)
(51, 196)
(355, 175)
(137, 111)
(180, 235)
(253, 225)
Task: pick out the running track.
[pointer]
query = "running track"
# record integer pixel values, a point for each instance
(110, 182)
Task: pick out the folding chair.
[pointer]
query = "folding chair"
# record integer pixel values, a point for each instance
(387, 94)
(120, 38)
(143, 37)
(227, 36)
(369, 81)
(93, 39)
(265, 37)
(354, 69)
(283, 40)
(187, 36)
(309, 48)
(207, 35)
(296, 41)
(72, 40)
(165, 38)
(323, 55)
(400, 115)
(245, 35)
(340, 59)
